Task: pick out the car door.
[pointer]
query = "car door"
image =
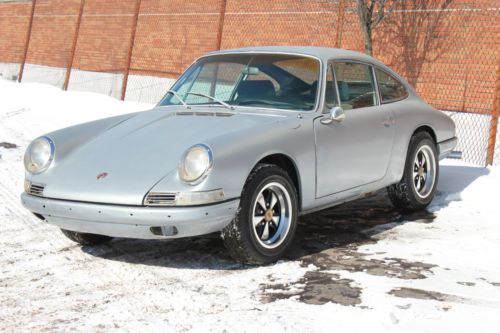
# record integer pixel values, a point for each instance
(355, 151)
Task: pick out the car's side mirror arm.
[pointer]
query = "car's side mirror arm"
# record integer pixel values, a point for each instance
(336, 114)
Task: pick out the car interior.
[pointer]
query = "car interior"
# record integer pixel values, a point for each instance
(269, 82)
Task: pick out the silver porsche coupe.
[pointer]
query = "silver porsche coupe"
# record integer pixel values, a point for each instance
(243, 143)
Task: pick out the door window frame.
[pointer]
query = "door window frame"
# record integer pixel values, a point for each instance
(330, 65)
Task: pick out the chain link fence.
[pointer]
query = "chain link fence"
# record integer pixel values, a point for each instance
(135, 49)
(473, 134)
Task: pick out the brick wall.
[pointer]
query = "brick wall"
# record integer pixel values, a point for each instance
(14, 21)
(449, 53)
(451, 56)
(52, 32)
(172, 33)
(104, 35)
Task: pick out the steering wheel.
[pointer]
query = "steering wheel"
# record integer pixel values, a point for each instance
(365, 100)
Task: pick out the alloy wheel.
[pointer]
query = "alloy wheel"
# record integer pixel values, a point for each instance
(272, 215)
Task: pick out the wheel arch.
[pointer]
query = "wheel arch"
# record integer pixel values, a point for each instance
(403, 194)
(405, 148)
(427, 129)
(288, 164)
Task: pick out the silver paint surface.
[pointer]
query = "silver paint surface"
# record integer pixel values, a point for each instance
(335, 163)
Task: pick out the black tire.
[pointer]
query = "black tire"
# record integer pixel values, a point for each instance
(86, 239)
(404, 194)
(241, 237)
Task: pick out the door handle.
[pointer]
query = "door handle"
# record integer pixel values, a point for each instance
(388, 122)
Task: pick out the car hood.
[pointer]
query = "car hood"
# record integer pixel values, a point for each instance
(121, 164)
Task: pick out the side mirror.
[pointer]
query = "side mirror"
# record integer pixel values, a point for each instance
(336, 114)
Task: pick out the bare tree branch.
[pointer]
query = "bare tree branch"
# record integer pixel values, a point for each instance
(369, 19)
(381, 13)
(417, 33)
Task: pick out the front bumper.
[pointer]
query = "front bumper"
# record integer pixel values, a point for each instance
(132, 221)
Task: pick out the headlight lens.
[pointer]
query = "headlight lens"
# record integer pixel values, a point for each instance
(39, 155)
(195, 164)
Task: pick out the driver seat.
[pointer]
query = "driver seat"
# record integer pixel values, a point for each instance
(255, 90)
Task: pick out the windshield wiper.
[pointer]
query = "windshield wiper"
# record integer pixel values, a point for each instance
(215, 99)
(179, 98)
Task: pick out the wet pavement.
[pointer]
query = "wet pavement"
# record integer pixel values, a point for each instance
(330, 239)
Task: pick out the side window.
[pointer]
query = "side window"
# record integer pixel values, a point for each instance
(356, 85)
(331, 92)
(390, 88)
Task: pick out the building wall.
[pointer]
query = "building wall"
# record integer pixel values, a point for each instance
(451, 54)
(14, 21)
(172, 33)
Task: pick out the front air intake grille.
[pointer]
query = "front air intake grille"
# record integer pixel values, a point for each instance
(160, 199)
(36, 189)
(206, 113)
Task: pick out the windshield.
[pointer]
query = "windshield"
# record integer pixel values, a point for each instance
(254, 80)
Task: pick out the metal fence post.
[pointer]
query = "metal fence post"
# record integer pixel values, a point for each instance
(73, 47)
(130, 49)
(494, 121)
(222, 16)
(26, 44)
(340, 24)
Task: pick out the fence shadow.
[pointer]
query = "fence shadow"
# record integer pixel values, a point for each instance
(456, 178)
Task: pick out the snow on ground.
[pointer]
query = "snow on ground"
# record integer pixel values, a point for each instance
(361, 266)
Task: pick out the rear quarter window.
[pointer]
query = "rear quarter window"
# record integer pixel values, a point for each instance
(391, 90)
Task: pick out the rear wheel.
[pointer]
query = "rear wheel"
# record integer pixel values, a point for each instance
(266, 220)
(86, 239)
(416, 189)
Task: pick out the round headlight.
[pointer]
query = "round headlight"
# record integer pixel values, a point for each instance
(39, 155)
(195, 164)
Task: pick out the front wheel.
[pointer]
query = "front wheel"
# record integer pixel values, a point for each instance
(265, 223)
(416, 189)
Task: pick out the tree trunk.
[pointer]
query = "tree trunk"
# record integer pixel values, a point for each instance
(367, 37)
(364, 20)
(368, 43)
(370, 14)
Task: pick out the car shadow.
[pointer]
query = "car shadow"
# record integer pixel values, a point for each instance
(456, 178)
(350, 225)
(345, 226)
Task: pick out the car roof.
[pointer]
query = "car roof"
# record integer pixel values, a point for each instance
(324, 53)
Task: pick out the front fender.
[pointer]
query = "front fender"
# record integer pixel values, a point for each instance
(236, 154)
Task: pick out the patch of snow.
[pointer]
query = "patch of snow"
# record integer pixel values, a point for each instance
(49, 283)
